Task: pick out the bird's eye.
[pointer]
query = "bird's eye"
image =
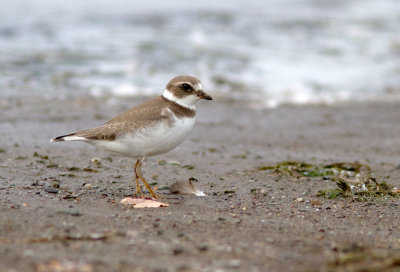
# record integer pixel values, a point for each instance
(186, 87)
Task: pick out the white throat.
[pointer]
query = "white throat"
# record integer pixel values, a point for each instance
(187, 101)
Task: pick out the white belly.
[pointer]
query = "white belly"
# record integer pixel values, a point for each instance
(150, 141)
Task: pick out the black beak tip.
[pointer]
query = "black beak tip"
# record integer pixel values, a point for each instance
(204, 96)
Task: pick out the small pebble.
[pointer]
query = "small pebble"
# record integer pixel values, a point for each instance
(96, 161)
(70, 196)
(88, 186)
(202, 247)
(177, 250)
(51, 190)
(173, 163)
(162, 162)
(316, 203)
(299, 199)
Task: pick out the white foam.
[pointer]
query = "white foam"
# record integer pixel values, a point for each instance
(275, 52)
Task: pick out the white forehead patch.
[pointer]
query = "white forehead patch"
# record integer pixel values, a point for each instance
(198, 86)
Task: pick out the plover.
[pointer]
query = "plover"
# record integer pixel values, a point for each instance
(151, 128)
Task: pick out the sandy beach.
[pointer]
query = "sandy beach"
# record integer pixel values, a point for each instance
(298, 154)
(250, 220)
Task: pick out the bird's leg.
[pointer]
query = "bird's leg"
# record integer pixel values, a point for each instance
(138, 172)
(138, 187)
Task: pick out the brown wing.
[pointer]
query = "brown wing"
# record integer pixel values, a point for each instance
(134, 119)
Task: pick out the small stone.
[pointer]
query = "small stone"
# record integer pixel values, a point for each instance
(51, 190)
(177, 250)
(70, 196)
(55, 184)
(88, 169)
(316, 203)
(396, 190)
(162, 162)
(299, 199)
(173, 163)
(95, 162)
(202, 247)
(88, 186)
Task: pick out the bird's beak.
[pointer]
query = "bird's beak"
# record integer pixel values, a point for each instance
(203, 95)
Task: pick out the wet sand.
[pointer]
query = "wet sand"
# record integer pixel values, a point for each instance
(249, 221)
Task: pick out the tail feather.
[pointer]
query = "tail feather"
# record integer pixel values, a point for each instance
(68, 137)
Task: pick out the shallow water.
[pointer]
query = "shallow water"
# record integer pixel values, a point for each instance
(276, 51)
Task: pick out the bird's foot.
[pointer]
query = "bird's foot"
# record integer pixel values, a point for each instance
(151, 191)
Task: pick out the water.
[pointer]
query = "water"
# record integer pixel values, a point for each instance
(275, 52)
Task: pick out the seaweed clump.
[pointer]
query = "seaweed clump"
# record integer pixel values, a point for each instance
(352, 179)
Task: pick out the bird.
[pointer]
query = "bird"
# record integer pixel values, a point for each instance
(151, 128)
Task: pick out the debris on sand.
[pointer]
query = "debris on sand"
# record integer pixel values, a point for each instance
(352, 179)
(186, 188)
(303, 169)
(142, 203)
(51, 190)
(360, 258)
(362, 185)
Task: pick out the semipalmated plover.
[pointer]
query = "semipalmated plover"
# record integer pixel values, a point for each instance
(151, 128)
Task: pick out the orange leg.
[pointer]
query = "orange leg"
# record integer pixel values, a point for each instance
(138, 187)
(138, 173)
